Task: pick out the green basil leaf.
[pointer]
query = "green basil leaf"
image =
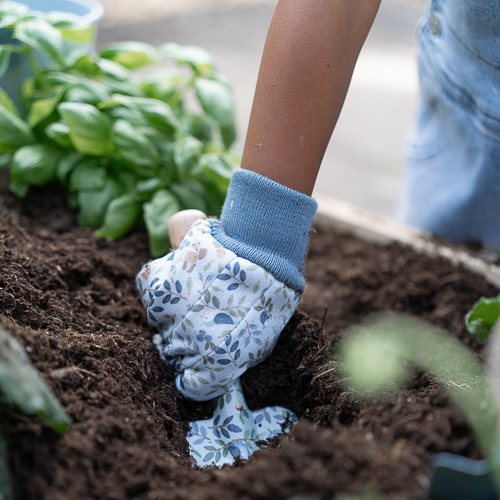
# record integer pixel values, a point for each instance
(198, 59)
(87, 91)
(40, 35)
(111, 69)
(93, 204)
(90, 129)
(22, 388)
(5, 52)
(43, 108)
(483, 316)
(148, 187)
(158, 114)
(6, 102)
(59, 133)
(132, 146)
(157, 212)
(5, 161)
(34, 165)
(191, 194)
(187, 154)
(19, 188)
(15, 132)
(217, 101)
(168, 87)
(132, 55)
(88, 174)
(198, 126)
(121, 216)
(66, 164)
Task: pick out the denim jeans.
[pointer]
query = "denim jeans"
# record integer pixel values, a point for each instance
(452, 177)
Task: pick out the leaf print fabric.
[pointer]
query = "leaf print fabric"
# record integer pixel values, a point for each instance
(217, 314)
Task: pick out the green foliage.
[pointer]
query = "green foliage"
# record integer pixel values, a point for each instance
(376, 356)
(129, 149)
(22, 390)
(483, 316)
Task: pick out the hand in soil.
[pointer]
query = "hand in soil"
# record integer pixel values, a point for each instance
(217, 315)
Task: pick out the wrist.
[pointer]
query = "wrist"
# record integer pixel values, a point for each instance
(268, 224)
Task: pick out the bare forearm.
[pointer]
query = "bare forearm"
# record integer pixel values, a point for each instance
(308, 60)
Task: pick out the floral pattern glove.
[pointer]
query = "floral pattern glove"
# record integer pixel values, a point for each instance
(217, 314)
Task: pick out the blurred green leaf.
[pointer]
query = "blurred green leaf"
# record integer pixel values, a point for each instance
(40, 35)
(14, 132)
(93, 204)
(157, 113)
(6, 102)
(157, 212)
(198, 59)
(191, 194)
(88, 174)
(42, 108)
(34, 165)
(59, 133)
(90, 129)
(132, 55)
(22, 389)
(483, 316)
(132, 146)
(187, 153)
(66, 164)
(5, 52)
(217, 101)
(121, 216)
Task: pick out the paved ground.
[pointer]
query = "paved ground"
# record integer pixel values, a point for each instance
(363, 164)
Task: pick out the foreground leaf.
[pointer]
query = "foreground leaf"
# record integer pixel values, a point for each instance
(22, 389)
(121, 216)
(89, 128)
(483, 316)
(157, 212)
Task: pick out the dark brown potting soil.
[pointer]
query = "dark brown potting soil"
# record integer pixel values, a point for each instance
(71, 301)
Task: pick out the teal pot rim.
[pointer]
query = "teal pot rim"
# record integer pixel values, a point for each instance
(94, 8)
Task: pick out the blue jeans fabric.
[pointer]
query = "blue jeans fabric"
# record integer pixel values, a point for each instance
(452, 178)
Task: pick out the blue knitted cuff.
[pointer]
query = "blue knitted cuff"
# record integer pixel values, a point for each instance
(268, 224)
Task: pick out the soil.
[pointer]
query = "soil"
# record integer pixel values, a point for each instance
(70, 299)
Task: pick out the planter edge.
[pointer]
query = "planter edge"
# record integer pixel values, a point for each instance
(377, 228)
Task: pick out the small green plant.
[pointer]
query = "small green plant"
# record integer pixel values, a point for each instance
(130, 149)
(483, 316)
(377, 355)
(23, 391)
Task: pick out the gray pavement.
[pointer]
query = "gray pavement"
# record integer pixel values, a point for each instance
(363, 164)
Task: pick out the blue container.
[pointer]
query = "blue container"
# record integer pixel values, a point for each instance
(89, 12)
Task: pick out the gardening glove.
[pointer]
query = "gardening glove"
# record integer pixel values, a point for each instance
(221, 300)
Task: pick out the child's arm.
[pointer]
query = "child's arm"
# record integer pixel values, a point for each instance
(308, 60)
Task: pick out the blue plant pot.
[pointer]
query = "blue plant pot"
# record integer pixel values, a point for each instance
(89, 12)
